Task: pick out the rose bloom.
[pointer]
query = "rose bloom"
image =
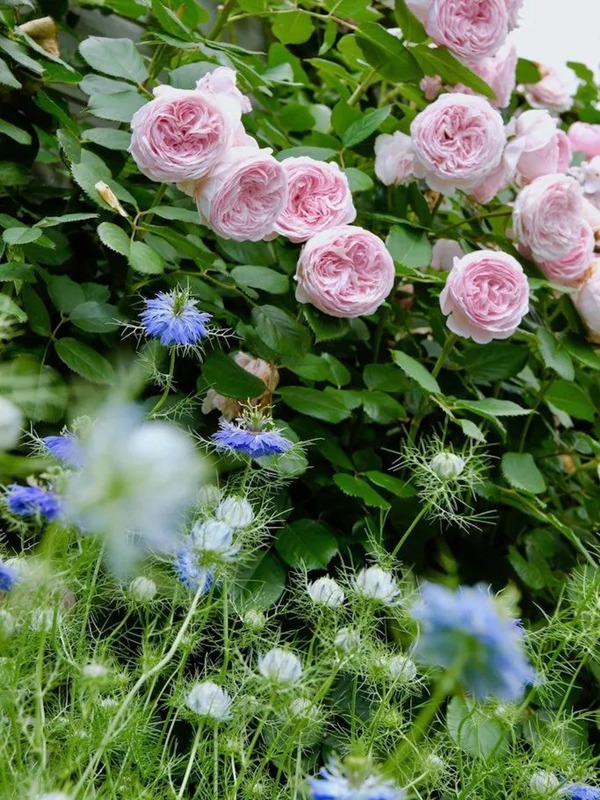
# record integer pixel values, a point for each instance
(585, 138)
(587, 303)
(547, 216)
(319, 198)
(458, 141)
(420, 8)
(497, 180)
(513, 9)
(229, 406)
(431, 86)
(443, 254)
(486, 296)
(498, 71)
(394, 158)
(570, 269)
(468, 28)
(552, 92)
(588, 175)
(183, 133)
(244, 195)
(538, 147)
(344, 272)
(591, 215)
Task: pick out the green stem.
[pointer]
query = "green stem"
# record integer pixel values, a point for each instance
(362, 87)
(418, 418)
(168, 386)
(222, 19)
(190, 764)
(410, 529)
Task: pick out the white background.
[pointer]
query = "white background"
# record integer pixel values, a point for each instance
(557, 31)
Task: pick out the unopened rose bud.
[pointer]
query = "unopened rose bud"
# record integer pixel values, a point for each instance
(110, 198)
(43, 32)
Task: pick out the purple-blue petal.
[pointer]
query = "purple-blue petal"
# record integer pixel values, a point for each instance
(181, 327)
(64, 448)
(31, 501)
(255, 443)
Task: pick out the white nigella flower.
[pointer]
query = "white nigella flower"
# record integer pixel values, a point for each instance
(235, 512)
(280, 667)
(346, 640)
(142, 589)
(214, 538)
(375, 583)
(401, 668)
(349, 784)
(208, 497)
(543, 783)
(207, 699)
(326, 592)
(447, 466)
(11, 424)
(94, 672)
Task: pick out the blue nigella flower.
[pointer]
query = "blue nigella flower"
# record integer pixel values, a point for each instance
(333, 785)
(30, 501)
(255, 443)
(189, 571)
(579, 791)
(8, 577)
(464, 629)
(64, 448)
(175, 319)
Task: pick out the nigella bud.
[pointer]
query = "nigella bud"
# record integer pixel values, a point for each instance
(401, 668)
(110, 198)
(95, 672)
(326, 592)
(346, 640)
(208, 700)
(447, 466)
(142, 589)
(374, 583)
(280, 667)
(254, 620)
(235, 512)
(543, 783)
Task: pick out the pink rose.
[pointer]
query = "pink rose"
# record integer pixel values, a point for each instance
(394, 158)
(513, 9)
(591, 215)
(231, 408)
(222, 82)
(319, 198)
(547, 216)
(588, 175)
(344, 272)
(538, 147)
(552, 92)
(420, 8)
(498, 71)
(431, 86)
(495, 182)
(587, 303)
(443, 254)
(468, 28)
(570, 269)
(244, 195)
(585, 138)
(458, 141)
(486, 295)
(183, 133)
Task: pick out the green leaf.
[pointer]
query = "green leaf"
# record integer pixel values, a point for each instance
(65, 293)
(324, 327)
(95, 317)
(358, 180)
(471, 430)
(385, 53)
(492, 407)
(409, 246)
(362, 128)
(176, 214)
(382, 408)
(118, 57)
(226, 377)
(268, 280)
(527, 71)
(396, 486)
(64, 219)
(12, 174)
(318, 153)
(7, 78)
(114, 238)
(10, 308)
(582, 351)
(142, 258)
(529, 573)
(280, 331)
(108, 137)
(85, 361)
(554, 354)
(306, 544)
(412, 28)
(37, 313)
(355, 487)
(495, 361)
(385, 378)
(570, 398)
(476, 729)
(16, 271)
(293, 27)
(20, 236)
(18, 53)
(314, 403)
(439, 61)
(521, 472)
(417, 372)
(16, 134)
(260, 584)
(116, 107)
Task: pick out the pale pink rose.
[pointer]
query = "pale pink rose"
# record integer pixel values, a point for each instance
(585, 138)
(420, 8)
(231, 408)
(431, 86)
(222, 81)
(458, 141)
(319, 198)
(588, 175)
(513, 9)
(344, 272)
(552, 92)
(443, 254)
(468, 28)
(495, 182)
(486, 295)
(244, 195)
(591, 215)
(183, 133)
(547, 216)
(498, 71)
(537, 147)
(587, 303)
(570, 269)
(394, 158)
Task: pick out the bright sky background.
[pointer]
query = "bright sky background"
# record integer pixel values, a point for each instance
(557, 31)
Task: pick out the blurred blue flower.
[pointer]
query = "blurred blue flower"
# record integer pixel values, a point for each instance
(64, 448)
(579, 791)
(463, 629)
(188, 568)
(8, 577)
(30, 501)
(255, 443)
(333, 785)
(175, 319)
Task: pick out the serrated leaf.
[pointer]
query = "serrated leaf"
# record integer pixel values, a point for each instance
(306, 544)
(7, 78)
(85, 361)
(382, 408)
(520, 470)
(142, 258)
(409, 246)
(355, 487)
(176, 214)
(18, 54)
(229, 379)
(385, 53)
(293, 27)
(280, 331)
(396, 486)
(64, 292)
(13, 132)
(554, 354)
(109, 138)
(416, 372)
(114, 238)
(21, 236)
(492, 407)
(95, 317)
(118, 57)
(440, 61)
(116, 107)
(570, 398)
(362, 128)
(412, 28)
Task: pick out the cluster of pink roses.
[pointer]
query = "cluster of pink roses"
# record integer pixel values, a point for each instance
(196, 139)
